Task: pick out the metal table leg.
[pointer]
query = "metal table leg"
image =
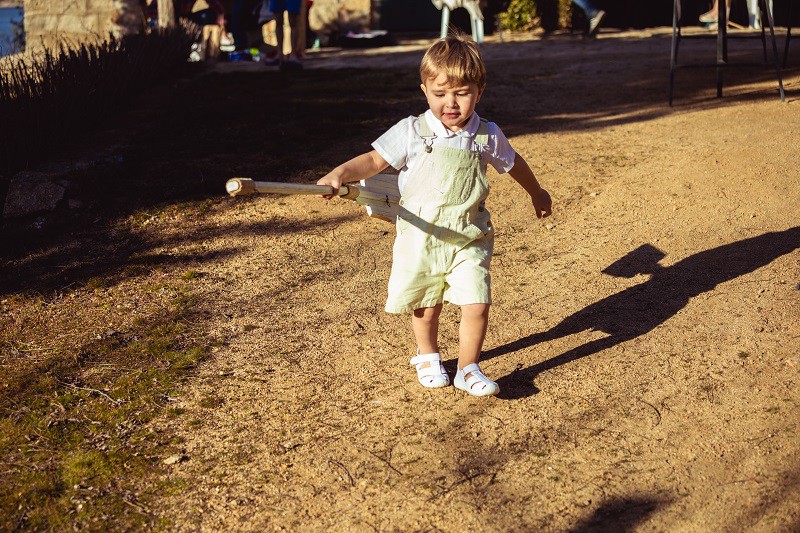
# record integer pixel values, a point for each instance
(676, 39)
(722, 43)
(788, 33)
(774, 49)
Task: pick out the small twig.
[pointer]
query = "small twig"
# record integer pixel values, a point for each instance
(101, 393)
(344, 468)
(388, 463)
(654, 408)
(141, 509)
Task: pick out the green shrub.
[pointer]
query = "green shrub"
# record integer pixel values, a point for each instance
(523, 15)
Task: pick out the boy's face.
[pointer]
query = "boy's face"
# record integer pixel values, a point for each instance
(451, 105)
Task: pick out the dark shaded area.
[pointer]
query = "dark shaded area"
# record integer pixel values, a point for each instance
(639, 309)
(53, 95)
(619, 515)
(184, 140)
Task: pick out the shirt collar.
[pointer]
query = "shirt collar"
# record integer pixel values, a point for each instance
(469, 129)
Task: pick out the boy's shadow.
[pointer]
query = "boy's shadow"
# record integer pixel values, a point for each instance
(639, 309)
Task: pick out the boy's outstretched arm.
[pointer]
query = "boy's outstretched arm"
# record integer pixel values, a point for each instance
(523, 175)
(359, 168)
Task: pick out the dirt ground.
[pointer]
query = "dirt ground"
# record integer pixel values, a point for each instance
(645, 338)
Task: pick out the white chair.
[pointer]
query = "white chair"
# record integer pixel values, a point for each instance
(475, 15)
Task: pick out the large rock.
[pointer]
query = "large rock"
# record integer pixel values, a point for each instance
(32, 192)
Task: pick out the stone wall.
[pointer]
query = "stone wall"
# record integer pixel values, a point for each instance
(49, 22)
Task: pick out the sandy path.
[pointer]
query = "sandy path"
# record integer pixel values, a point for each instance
(647, 397)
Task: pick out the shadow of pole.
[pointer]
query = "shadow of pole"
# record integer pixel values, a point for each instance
(639, 309)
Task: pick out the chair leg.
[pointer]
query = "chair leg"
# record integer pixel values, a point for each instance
(445, 21)
(775, 49)
(788, 33)
(722, 45)
(673, 58)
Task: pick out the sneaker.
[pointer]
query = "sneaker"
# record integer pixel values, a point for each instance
(594, 23)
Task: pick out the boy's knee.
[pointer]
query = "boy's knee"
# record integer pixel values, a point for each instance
(474, 311)
(427, 314)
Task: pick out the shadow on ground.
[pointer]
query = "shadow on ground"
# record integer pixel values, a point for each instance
(619, 514)
(639, 309)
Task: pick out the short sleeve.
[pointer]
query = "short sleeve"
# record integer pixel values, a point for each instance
(502, 155)
(393, 145)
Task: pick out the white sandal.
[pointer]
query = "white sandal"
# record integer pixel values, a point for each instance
(472, 380)
(433, 376)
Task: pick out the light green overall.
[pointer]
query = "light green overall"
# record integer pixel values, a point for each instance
(444, 237)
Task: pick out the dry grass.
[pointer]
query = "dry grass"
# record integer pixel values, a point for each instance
(84, 369)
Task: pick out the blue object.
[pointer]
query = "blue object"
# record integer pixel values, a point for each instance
(588, 7)
(292, 6)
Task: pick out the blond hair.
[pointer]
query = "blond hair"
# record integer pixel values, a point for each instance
(458, 58)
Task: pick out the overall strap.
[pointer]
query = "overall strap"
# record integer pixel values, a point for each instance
(426, 133)
(482, 135)
(425, 130)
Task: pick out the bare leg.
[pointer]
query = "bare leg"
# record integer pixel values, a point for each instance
(279, 32)
(425, 323)
(472, 332)
(294, 19)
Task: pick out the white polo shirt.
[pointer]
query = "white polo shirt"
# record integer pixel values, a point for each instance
(402, 145)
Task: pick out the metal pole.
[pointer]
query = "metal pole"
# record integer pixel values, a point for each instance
(775, 49)
(722, 43)
(673, 58)
(788, 32)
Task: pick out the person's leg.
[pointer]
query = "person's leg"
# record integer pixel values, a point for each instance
(587, 6)
(548, 13)
(712, 14)
(428, 360)
(472, 332)
(279, 33)
(425, 323)
(294, 32)
(594, 16)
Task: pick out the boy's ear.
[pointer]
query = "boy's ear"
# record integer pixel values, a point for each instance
(424, 89)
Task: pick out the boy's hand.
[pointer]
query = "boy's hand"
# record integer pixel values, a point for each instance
(542, 203)
(331, 180)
